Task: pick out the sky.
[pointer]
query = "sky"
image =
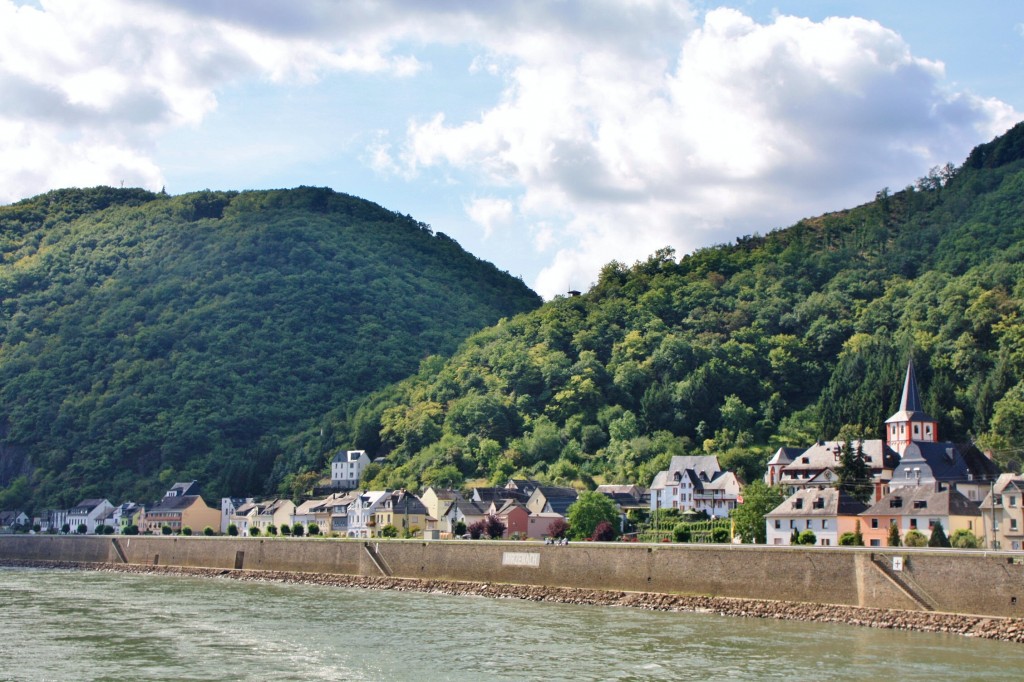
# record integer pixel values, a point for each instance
(548, 138)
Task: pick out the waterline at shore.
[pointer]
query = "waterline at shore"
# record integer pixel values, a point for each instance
(1003, 629)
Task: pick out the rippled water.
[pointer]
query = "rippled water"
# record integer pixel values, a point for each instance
(69, 625)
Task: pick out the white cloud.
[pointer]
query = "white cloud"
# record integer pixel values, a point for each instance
(738, 127)
(489, 213)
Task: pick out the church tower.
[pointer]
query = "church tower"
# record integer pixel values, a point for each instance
(910, 423)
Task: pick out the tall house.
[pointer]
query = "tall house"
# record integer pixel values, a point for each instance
(910, 423)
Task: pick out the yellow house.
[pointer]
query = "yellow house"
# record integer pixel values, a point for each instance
(405, 512)
(189, 511)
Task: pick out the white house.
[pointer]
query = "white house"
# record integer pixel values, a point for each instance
(695, 482)
(826, 512)
(347, 467)
(89, 512)
(361, 513)
(229, 507)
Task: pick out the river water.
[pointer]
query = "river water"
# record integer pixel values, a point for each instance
(80, 625)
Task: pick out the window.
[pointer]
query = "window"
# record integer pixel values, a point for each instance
(1012, 500)
(917, 429)
(1013, 524)
(876, 543)
(932, 523)
(798, 504)
(913, 524)
(825, 542)
(808, 524)
(778, 524)
(920, 504)
(824, 524)
(906, 473)
(874, 523)
(896, 502)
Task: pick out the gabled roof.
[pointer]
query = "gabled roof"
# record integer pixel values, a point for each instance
(825, 455)
(785, 455)
(942, 460)
(402, 502)
(923, 500)
(816, 502)
(173, 503)
(86, 506)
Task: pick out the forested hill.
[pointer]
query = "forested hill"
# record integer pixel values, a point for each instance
(147, 338)
(734, 350)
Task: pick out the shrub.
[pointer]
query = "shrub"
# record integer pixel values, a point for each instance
(477, 529)
(558, 528)
(721, 535)
(314, 529)
(794, 537)
(254, 531)
(848, 539)
(604, 532)
(232, 530)
(165, 529)
(806, 537)
(682, 532)
(271, 529)
(186, 531)
(459, 529)
(65, 529)
(915, 538)
(494, 527)
(286, 529)
(389, 531)
(131, 529)
(82, 529)
(298, 530)
(207, 531)
(964, 539)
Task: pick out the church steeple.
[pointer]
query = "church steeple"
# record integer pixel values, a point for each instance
(910, 423)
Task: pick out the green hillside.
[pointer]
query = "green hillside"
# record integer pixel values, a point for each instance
(736, 349)
(147, 338)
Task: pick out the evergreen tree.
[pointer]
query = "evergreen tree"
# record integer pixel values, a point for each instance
(938, 538)
(853, 476)
(894, 535)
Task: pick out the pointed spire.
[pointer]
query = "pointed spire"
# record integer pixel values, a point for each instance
(911, 401)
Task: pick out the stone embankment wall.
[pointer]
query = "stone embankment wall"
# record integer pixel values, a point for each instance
(967, 582)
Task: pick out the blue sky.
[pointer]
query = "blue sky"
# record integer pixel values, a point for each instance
(546, 137)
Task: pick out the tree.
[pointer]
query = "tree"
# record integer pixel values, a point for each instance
(254, 531)
(82, 529)
(271, 529)
(131, 529)
(558, 528)
(853, 475)
(232, 530)
(313, 528)
(389, 531)
(66, 528)
(494, 527)
(858, 537)
(938, 537)
(806, 537)
(758, 499)
(915, 538)
(286, 529)
(165, 530)
(459, 529)
(298, 530)
(207, 531)
(894, 535)
(962, 538)
(186, 531)
(590, 509)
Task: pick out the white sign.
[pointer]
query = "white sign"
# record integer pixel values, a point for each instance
(897, 563)
(531, 559)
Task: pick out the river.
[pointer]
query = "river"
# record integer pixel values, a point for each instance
(83, 625)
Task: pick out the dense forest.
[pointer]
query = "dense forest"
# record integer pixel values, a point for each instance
(146, 338)
(734, 350)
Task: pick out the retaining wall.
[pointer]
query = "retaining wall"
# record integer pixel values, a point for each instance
(971, 582)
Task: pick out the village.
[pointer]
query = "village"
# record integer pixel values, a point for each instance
(919, 491)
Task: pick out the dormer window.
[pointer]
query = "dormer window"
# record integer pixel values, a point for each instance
(798, 504)
(920, 504)
(819, 503)
(896, 503)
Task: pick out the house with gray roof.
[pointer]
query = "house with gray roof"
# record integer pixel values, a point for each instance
(827, 512)
(695, 482)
